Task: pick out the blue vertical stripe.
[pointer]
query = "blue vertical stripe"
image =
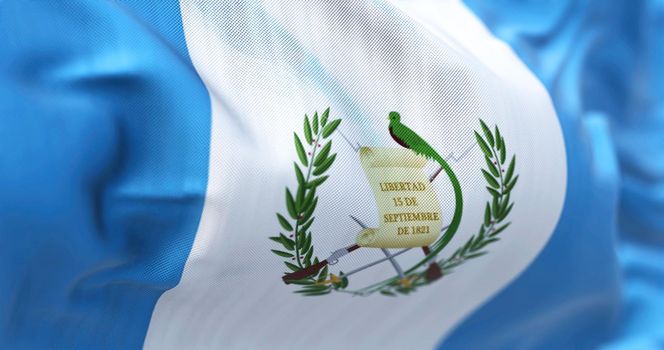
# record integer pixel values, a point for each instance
(104, 144)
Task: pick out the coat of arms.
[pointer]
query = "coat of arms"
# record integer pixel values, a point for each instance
(409, 209)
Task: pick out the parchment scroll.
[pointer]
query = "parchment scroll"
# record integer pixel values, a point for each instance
(409, 211)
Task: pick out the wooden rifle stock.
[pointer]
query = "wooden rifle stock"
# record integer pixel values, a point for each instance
(315, 268)
(305, 272)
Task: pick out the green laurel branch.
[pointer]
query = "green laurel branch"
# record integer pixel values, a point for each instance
(500, 179)
(313, 149)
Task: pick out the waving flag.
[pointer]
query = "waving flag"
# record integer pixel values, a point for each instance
(285, 175)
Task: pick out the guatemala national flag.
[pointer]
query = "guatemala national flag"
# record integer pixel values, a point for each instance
(371, 174)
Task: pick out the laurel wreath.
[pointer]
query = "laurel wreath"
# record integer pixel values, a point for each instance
(299, 250)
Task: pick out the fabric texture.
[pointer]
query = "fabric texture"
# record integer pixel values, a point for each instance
(104, 152)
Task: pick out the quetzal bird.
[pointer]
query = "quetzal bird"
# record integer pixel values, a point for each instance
(408, 138)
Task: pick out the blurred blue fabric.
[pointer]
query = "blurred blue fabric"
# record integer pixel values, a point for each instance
(103, 169)
(603, 64)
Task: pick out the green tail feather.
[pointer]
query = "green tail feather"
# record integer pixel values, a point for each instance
(440, 244)
(421, 147)
(458, 206)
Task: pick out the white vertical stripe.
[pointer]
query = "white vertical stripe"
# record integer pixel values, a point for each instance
(265, 66)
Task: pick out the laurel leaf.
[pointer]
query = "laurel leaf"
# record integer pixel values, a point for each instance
(307, 224)
(495, 207)
(499, 230)
(493, 192)
(319, 170)
(284, 223)
(307, 242)
(492, 182)
(487, 133)
(301, 236)
(484, 243)
(329, 129)
(314, 123)
(290, 204)
(307, 214)
(487, 215)
(300, 150)
(476, 243)
(292, 266)
(316, 293)
(483, 145)
(309, 199)
(504, 203)
(303, 251)
(282, 253)
(502, 154)
(313, 287)
(481, 235)
(317, 182)
(506, 212)
(510, 169)
(453, 263)
(307, 130)
(467, 245)
(299, 198)
(322, 156)
(299, 175)
(307, 258)
(303, 282)
(492, 167)
(323, 118)
(510, 185)
(288, 243)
